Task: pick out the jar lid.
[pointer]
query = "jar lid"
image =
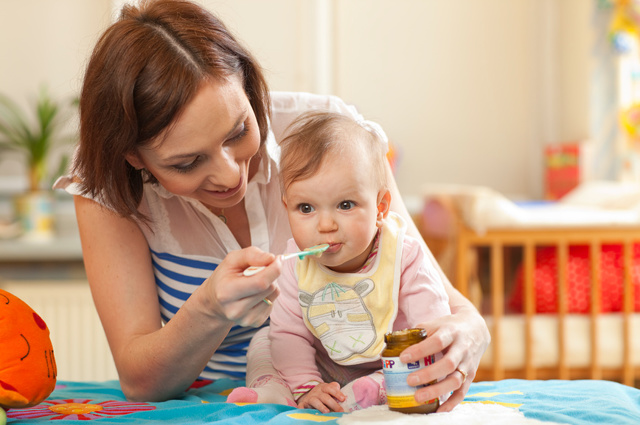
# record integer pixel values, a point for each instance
(406, 335)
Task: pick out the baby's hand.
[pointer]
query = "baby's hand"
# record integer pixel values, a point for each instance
(323, 397)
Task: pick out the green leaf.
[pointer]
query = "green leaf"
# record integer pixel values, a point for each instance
(34, 137)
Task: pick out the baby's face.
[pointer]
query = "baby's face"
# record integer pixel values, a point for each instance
(338, 206)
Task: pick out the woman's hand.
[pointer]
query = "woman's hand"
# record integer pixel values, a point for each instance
(323, 397)
(243, 300)
(462, 337)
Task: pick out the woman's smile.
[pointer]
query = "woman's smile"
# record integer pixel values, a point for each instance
(225, 194)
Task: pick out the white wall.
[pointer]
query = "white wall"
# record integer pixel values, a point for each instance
(44, 42)
(470, 90)
(453, 83)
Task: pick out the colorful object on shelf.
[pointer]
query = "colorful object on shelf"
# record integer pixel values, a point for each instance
(393, 156)
(27, 365)
(36, 215)
(630, 121)
(625, 23)
(564, 168)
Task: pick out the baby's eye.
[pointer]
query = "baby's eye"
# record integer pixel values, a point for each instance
(305, 208)
(346, 205)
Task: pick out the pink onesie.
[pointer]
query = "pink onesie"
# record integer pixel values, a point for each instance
(416, 295)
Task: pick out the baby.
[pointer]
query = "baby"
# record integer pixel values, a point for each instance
(328, 325)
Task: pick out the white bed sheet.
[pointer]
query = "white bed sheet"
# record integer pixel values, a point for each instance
(577, 340)
(592, 204)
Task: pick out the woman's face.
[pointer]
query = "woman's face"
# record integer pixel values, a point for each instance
(206, 154)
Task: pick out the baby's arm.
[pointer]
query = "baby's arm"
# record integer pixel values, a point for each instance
(292, 347)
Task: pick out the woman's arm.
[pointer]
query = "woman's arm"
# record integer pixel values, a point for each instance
(156, 362)
(463, 337)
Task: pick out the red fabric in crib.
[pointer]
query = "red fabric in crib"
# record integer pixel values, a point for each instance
(578, 280)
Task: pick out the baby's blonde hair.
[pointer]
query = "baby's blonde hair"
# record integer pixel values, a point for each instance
(314, 136)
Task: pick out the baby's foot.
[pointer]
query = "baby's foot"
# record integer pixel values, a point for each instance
(363, 392)
(242, 395)
(265, 390)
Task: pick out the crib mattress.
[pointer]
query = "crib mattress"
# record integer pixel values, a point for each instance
(592, 204)
(577, 340)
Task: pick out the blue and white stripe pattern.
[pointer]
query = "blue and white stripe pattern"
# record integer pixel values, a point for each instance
(177, 277)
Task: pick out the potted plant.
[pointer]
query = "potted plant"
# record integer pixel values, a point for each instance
(35, 138)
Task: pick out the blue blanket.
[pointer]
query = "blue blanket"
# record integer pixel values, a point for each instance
(571, 402)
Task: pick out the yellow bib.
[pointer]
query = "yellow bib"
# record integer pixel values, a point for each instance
(350, 313)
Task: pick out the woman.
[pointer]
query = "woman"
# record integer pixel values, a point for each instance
(176, 194)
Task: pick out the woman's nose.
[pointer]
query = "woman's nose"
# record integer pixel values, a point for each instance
(224, 170)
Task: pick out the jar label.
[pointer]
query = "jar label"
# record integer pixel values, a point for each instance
(399, 393)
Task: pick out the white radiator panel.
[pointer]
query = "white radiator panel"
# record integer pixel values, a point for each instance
(79, 343)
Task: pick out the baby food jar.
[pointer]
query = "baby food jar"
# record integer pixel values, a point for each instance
(400, 395)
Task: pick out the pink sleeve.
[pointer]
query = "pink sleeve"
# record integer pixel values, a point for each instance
(422, 295)
(292, 348)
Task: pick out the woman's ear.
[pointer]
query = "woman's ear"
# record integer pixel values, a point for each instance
(134, 160)
(384, 203)
(284, 201)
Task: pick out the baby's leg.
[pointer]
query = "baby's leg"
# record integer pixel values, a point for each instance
(264, 385)
(364, 392)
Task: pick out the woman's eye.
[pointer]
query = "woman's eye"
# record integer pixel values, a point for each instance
(346, 205)
(305, 208)
(185, 168)
(239, 134)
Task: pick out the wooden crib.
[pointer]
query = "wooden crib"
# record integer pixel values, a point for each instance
(603, 330)
(487, 262)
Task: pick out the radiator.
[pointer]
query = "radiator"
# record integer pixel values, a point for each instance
(79, 342)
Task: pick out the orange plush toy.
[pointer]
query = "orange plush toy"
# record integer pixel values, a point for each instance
(27, 366)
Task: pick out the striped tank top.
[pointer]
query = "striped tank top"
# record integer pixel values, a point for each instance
(177, 277)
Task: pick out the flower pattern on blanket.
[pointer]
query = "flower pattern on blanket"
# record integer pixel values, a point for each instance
(552, 401)
(78, 409)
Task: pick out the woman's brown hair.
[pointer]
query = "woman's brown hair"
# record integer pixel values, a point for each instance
(144, 70)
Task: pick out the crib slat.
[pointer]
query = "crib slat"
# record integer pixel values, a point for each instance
(562, 251)
(594, 259)
(529, 308)
(529, 240)
(462, 266)
(497, 306)
(627, 309)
